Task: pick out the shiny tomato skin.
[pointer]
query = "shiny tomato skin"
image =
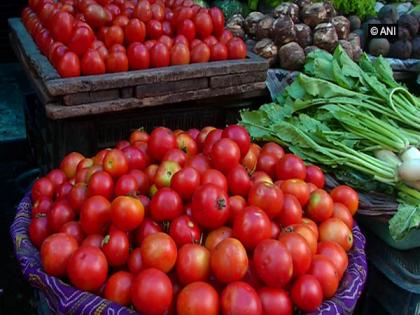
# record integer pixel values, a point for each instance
(267, 163)
(210, 41)
(92, 63)
(69, 65)
(100, 184)
(198, 298)
(38, 230)
(161, 141)
(114, 35)
(41, 206)
(181, 39)
(273, 149)
(341, 212)
(87, 268)
(237, 205)
(336, 230)
(175, 155)
(185, 182)
(94, 240)
(96, 15)
(168, 41)
(273, 263)
(136, 159)
(240, 135)
(166, 204)
(239, 298)
(229, 260)
(292, 211)
(138, 135)
(193, 263)
(62, 26)
(210, 206)
(184, 230)
(320, 206)
(143, 11)
(116, 62)
(151, 292)
(81, 39)
(147, 227)
(135, 31)
(210, 139)
(126, 185)
(187, 28)
(63, 190)
(306, 232)
(154, 29)
(203, 24)
(218, 52)
(167, 29)
(59, 214)
(347, 196)
(118, 288)
(275, 301)
(216, 236)
(290, 166)
(312, 225)
(218, 20)
(251, 226)
(200, 162)
(69, 164)
(266, 196)
(297, 188)
(326, 273)
(225, 155)
(73, 228)
(115, 163)
(127, 213)
(200, 53)
(95, 215)
(116, 248)
(180, 54)
(236, 48)
(121, 21)
(336, 254)
(135, 262)
(306, 293)
(55, 253)
(42, 187)
(315, 176)
(299, 250)
(215, 177)
(159, 251)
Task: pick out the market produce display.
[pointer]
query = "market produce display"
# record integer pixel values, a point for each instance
(88, 37)
(357, 122)
(197, 220)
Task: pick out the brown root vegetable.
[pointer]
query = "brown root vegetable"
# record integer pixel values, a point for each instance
(354, 39)
(303, 35)
(251, 22)
(357, 53)
(388, 12)
(265, 28)
(267, 49)
(237, 19)
(404, 33)
(379, 46)
(325, 36)
(289, 9)
(283, 30)
(314, 14)
(355, 22)
(410, 22)
(347, 46)
(362, 38)
(310, 49)
(291, 56)
(302, 3)
(330, 10)
(400, 49)
(235, 25)
(342, 26)
(415, 48)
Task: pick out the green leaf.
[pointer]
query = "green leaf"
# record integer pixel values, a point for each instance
(384, 72)
(406, 219)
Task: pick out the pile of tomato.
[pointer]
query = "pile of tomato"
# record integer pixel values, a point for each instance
(191, 222)
(91, 37)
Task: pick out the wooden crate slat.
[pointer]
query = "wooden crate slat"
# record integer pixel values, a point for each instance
(236, 79)
(171, 87)
(91, 97)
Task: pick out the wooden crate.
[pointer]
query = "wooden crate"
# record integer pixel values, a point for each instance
(114, 92)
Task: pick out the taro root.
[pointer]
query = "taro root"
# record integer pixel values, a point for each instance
(267, 49)
(302, 3)
(235, 25)
(379, 46)
(303, 35)
(330, 10)
(265, 28)
(362, 37)
(289, 9)
(357, 53)
(388, 12)
(354, 40)
(415, 48)
(291, 56)
(410, 22)
(325, 36)
(342, 26)
(347, 46)
(251, 22)
(314, 14)
(237, 19)
(400, 49)
(404, 33)
(355, 22)
(310, 49)
(283, 30)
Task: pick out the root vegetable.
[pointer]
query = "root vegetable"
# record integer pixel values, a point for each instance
(389, 157)
(310, 49)
(265, 28)
(267, 49)
(314, 14)
(409, 171)
(302, 3)
(347, 47)
(283, 30)
(251, 22)
(330, 10)
(379, 46)
(325, 36)
(410, 22)
(291, 56)
(415, 48)
(355, 22)
(400, 49)
(412, 153)
(388, 12)
(303, 35)
(288, 9)
(342, 26)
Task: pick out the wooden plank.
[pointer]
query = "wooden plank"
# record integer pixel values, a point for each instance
(237, 79)
(172, 87)
(91, 97)
(127, 92)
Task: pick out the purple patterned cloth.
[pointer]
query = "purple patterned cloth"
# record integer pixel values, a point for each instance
(62, 298)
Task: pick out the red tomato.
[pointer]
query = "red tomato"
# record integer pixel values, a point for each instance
(216, 236)
(211, 138)
(62, 26)
(43, 187)
(94, 240)
(311, 187)
(194, 132)
(114, 35)
(127, 213)
(336, 254)
(56, 52)
(218, 19)
(161, 141)
(306, 232)
(151, 292)
(166, 204)
(200, 53)
(154, 29)
(167, 28)
(135, 31)
(315, 176)
(136, 159)
(240, 298)
(101, 183)
(199, 162)
(115, 163)
(121, 21)
(175, 155)
(87, 268)
(251, 226)
(203, 24)
(180, 55)
(240, 135)
(151, 172)
(202, 136)
(135, 262)
(210, 41)
(341, 212)
(147, 227)
(187, 28)
(218, 52)
(275, 301)
(193, 263)
(249, 161)
(290, 166)
(225, 155)
(95, 215)
(324, 270)
(312, 225)
(198, 298)
(299, 250)
(347, 196)
(92, 63)
(143, 11)
(138, 56)
(210, 206)
(274, 149)
(181, 39)
(336, 230)
(307, 293)
(238, 181)
(59, 214)
(168, 41)
(38, 230)
(69, 65)
(185, 182)
(116, 62)
(158, 12)
(118, 288)
(184, 230)
(116, 248)
(292, 211)
(236, 48)
(44, 40)
(237, 205)
(215, 177)
(81, 39)
(62, 191)
(73, 228)
(266, 196)
(96, 16)
(297, 188)
(229, 261)
(187, 144)
(41, 206)
(55, 253)
(159, 251)
(320, 206)
(267, 163)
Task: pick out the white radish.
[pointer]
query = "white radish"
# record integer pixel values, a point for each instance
(412, 153)
(409, 171)
(388, 157)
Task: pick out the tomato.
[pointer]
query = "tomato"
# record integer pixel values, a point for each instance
(146, 228)
(151, 171)
(94, 240)
(336, 230)
(126, 185)
(200, 53)
(229, 260)
(299, 250)
(193, 263)
(198, 162)
(187, 28)
(92, 63)
(184, 230)
(326, 273)
(165, 172)
(311, 187)
(73, 228)
(143, 11)
(240, 135)
(135, 31)
(63, 190)
(95, 15)
(347, 196)
(116, 62)
(118, 287)
(181, 39)
(292, 211)
(95, 215)
(320, 206)
(210, 41)
(185, 182)
(136, 159)
(290, 166)
(44, 40)
(116, 248)
(249, 161)
(175, 155)
(315, 176)
(267, 163)
(138, 56)
(237, 205)
(151, 292)
(56, 52)
(167, 29)
(203, 24)
(87, 268)
(38, 230)
(193, 133)
(266, 196)
(215, 177)
(210, 206)
(158, 250)
(341, 212)
(101, 183)
(115, 163)
(62, 26)
(55, 253)
(60, 213)
(81, 39)
(121, 21)
(138, 135)
(161, 140)
(202, 136)
(218, 20)
(307, 293)
(297, 188)
(216, 236)
(100, 156)
(236, 48)
(166, 204)
(180, 55)
(312, 225)
(114, 35)
(127, 213)
(69, 65)
(186, 144)
(41, 206)
(225, 155)
(306, 232)
(212, 137)
(42, 187)
(336, 254)
(198, 298)
(275, 301)
(273, 149)
(135, 261)
(240, 298)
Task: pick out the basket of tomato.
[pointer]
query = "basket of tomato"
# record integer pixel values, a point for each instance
(190, 222)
